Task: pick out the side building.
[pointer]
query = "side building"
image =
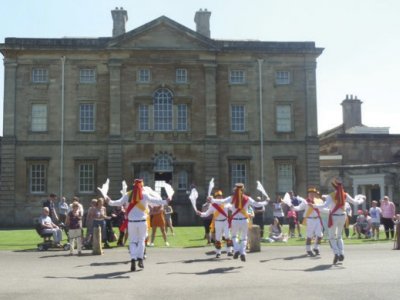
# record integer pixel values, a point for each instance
(161, 102)
(366, 158)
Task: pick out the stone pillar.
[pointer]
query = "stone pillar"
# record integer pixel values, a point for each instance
(355, 192)
(211, 151)
(115, 157)
(253, 239)
(8, 148)
(363, 192)
(10, 80)
(115, 97)
(312, 141)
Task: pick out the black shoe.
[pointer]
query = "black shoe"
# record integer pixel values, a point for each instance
(341, 257)
(140, 263)
(230, 254)
(133, 265)
(218, 255)
(316, 251)
(106, 246)
(335, 259)
(236, 255)
(310, 253)
(243, 257)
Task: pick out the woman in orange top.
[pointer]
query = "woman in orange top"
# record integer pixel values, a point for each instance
(157, 220)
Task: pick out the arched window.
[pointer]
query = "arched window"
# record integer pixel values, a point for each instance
(163, 163)
(163, 109)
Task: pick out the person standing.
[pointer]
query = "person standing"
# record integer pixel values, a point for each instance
(220, 213)
(278, 209)
(311, 218)
(168, 219)
(50, 203)
(375, 213)
(259, 217)
(239, 218)
(388, 214)
(336, 202)
(299, 214)
(136, 211)
(74, 224)
(157, 221)
(63, 209)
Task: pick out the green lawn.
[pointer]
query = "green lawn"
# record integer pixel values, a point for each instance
(185, 237)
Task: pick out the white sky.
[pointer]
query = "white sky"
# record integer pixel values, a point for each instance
(360, 37)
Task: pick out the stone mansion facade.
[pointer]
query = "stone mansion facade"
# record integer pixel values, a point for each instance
(161, 102)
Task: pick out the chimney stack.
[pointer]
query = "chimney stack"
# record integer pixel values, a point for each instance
(120, 16)
(202, 20)
(351, 112)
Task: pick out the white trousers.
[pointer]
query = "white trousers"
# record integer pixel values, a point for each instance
(137, 232)
(75, 236)
(239, 231)
(222, 229)
(335, 234)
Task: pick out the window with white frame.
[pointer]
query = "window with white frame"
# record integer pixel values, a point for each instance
(86, 177)
(144, 75)
(237, 77)
(181, 76)
(87, 75)
(237, 118)
(39, 118)
(182, 180)
(163, 163)
(163, 106)
(144, 123)
(282, 77)
(284, 118)
(238, 172)
(284, 176)
(182, 124)
(37, 178)
(86, 117)
(40, 75)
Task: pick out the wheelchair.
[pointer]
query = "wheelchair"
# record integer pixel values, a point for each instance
(48, 242)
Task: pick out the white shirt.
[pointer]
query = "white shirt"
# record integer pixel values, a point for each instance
(136, 213)
(251, 202)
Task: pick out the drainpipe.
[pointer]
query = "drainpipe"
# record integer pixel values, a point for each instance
(62, 127)
(260, 61)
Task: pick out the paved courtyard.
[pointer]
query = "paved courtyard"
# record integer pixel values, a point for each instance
(369, 271)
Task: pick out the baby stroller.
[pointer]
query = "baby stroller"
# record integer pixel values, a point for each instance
(48, 241)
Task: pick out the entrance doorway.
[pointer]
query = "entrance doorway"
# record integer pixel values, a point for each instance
(159, 179)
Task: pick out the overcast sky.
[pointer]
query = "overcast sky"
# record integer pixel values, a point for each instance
(361, 39)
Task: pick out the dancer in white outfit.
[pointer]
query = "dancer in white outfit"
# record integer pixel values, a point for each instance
(336, 202)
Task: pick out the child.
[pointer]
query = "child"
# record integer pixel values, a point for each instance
(74, 223)
(375, 212)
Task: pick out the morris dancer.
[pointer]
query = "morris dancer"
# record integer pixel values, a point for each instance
(312, 219)
(239, 218)
(220, 223)
(336, 202)
(137, 213)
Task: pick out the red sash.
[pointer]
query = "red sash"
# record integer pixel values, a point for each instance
(136, 197)
(245, 199)
(339, 204)
(219, 209)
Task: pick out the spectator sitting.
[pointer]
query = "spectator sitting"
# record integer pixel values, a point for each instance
(363, 224)
(275, 232)
(49, 227)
